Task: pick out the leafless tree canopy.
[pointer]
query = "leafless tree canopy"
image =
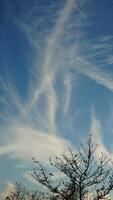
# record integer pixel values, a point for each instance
(84, 175)
(73, 176)
(20, 193)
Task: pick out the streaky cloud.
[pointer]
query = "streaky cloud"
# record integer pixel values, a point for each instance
(60, 56)
(94, 73)
(24, 142)
(96, 131)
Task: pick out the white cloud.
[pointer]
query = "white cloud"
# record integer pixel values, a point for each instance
(91, 71)
(96, 131)
(68, 89)
(106, 38)
(70, 82)
(8, 189)
(38, 136)
(11, 96)
(28, 176)
(57, 175)
(23, 143)
(49, 66)
(110, 60)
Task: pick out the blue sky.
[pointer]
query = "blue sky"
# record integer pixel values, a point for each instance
(56, 80)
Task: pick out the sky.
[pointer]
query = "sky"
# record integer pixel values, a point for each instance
(56, 81)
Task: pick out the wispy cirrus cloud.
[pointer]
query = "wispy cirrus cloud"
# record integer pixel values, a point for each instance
(50, 67)
(40, 108)
(97, 135)
(59, 58)
(98, 75)
(21, 142)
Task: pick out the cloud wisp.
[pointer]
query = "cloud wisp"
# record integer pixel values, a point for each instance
(96, 131)
(31, 143)
(42, 121)
(59, 58)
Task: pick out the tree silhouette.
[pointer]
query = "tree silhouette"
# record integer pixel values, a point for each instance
(84, 175)
(20, 193)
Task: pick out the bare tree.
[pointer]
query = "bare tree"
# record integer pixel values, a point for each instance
(84, 175)
(20, 193)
